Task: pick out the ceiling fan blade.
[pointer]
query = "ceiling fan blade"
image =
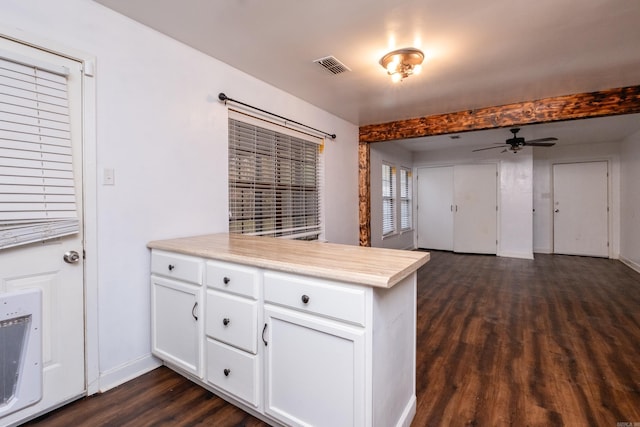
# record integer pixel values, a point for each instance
(540, 144)
(486, 148)
(551, 138)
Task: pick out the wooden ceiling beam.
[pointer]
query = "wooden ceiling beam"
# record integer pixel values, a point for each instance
(624, 100)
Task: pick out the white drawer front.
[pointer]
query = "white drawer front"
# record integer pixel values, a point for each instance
(233, 371)
(233, 278)
(339, 301)
(180, 267)
(232, 319)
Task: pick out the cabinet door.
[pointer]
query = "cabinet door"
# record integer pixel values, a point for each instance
(176, 326)
(315, 370)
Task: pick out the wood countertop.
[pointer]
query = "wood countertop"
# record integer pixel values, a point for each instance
(377, 267)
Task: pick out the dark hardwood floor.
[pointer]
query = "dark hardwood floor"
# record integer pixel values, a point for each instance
(501, 342)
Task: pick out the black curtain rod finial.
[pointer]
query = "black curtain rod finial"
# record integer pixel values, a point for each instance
(222, 96)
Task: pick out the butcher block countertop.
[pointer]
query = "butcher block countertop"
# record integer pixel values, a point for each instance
(375, 267)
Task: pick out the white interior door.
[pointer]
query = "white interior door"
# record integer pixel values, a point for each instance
(580, 204)
(475, 208)
(41, 265)
(435, 208)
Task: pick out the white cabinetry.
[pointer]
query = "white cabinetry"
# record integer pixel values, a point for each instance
(292, 349)
(176, 307)
(232, 330)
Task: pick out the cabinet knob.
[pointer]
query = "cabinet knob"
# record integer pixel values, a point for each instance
(226, 321)
(171, 267)
(226, 280)
(227, 372)
(305, 299)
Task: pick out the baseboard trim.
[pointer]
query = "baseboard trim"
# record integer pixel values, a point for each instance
(521, 255)
(126, 372)
(408, 414)
(629, 263)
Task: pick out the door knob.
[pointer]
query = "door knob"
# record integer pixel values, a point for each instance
(71, 257)
(557, 210)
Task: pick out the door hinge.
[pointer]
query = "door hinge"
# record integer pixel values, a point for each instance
(84, 254)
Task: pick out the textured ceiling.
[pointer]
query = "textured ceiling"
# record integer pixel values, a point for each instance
(479, 54)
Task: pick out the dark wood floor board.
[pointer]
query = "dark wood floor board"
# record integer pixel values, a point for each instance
(553, 341)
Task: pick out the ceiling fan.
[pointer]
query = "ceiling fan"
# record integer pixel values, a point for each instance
(518, 143)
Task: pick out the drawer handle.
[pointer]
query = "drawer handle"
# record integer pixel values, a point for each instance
(227, 372)
(193, 311)
(226, 321)
(226, 280)
(263, 331)
(171, 267)
(305, 299)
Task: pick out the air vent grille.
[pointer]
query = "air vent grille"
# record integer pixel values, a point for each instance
(332, 65)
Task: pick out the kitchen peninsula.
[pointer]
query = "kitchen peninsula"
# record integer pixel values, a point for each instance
(294, 332)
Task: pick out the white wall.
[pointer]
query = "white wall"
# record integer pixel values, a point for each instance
(543, 189)
(630, 201)
(163, 131)
(394, 156)
(515, 172)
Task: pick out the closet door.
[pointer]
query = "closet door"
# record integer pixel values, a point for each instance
(435, 208)
(580, 206)
(475, 208)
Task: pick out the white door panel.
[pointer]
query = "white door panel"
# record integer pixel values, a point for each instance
(475, 228)
(41, 265)
(435, 208)
(580, 204)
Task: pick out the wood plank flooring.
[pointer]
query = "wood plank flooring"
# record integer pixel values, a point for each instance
(501, 342)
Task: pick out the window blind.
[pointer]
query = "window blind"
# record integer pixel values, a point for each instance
(37, 194)
(388, 199)
(274, 182)
(405, 199)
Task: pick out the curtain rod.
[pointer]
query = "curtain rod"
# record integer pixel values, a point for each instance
(225, 98)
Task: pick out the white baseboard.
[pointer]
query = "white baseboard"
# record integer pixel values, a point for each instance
(408, 414)
(128, 371)
(626, 261)
(522, 255)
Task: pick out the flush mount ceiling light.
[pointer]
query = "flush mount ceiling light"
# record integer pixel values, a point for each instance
(402, 63)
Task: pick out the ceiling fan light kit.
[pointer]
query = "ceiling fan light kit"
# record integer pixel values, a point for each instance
(402, 63)
(517, 143)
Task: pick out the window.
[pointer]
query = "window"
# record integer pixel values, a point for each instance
(37, 192)
(388, 199)
(405, 199)
(274, 179)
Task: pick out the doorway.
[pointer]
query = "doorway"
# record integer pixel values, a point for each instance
(581, 209)
(54, 266)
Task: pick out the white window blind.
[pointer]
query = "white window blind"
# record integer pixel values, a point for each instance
(37, 194)
(405, 199)
(388, 199)
(274, 181)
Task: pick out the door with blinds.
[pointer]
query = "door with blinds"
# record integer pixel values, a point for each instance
(41, 239)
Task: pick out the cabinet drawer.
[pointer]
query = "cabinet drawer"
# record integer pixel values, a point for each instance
(233, 371)
(331, 299)
(232, 319)
(181, 267)
(233, 278)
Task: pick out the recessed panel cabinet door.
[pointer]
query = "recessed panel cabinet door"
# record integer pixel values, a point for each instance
(314, 370)
(176, 326)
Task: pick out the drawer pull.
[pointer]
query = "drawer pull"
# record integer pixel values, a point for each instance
(305, 299)
(171, 267)
(263, 331)
(226, 280)
(193, 311)
(227, 372)
(226, 321)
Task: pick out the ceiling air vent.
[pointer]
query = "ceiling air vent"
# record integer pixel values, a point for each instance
(332, 65)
